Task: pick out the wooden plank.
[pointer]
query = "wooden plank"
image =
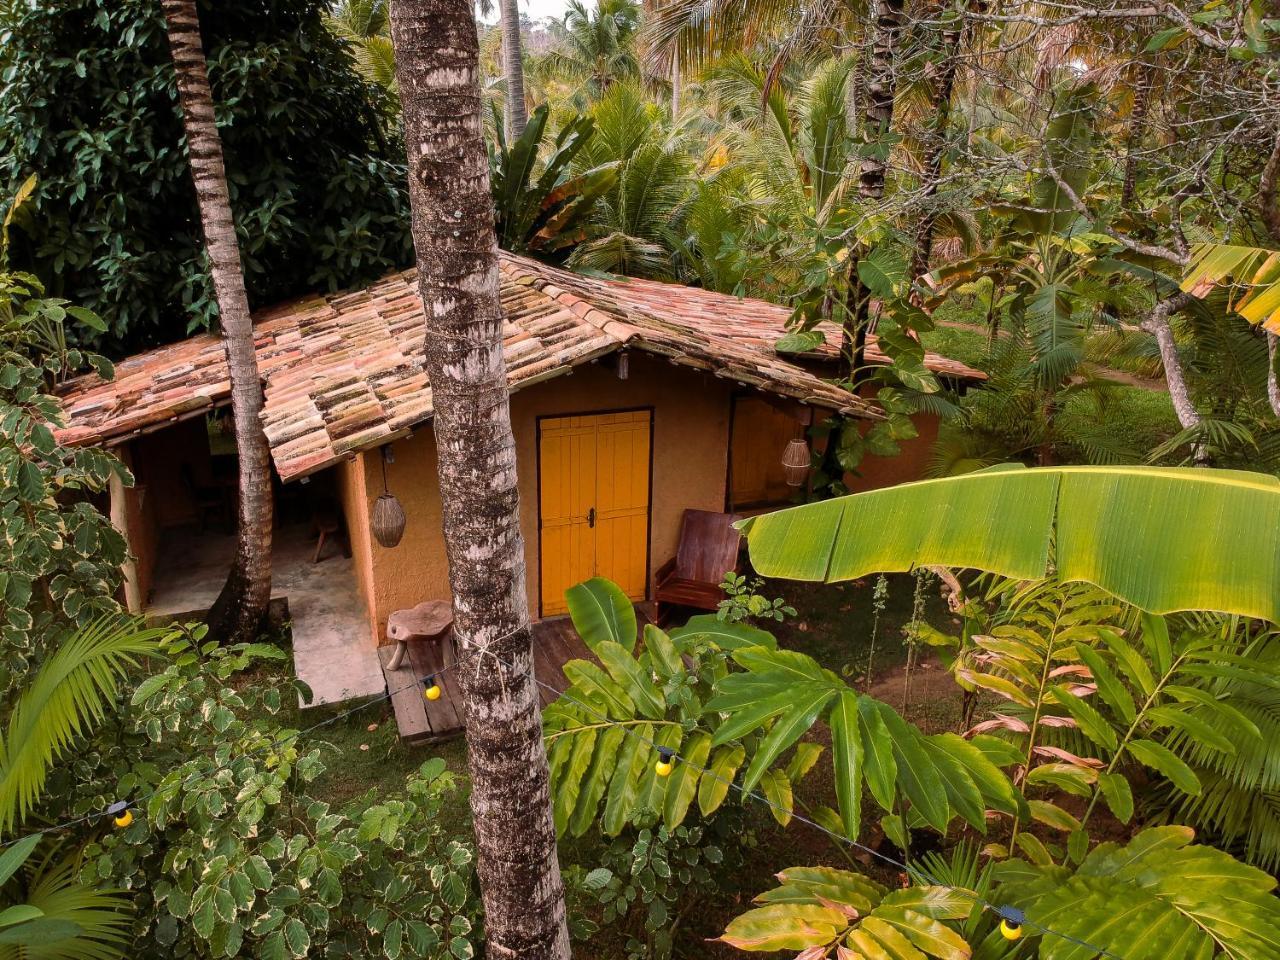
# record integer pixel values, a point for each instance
(406, 699)
(430, 658)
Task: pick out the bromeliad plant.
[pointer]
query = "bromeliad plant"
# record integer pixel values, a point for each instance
(540, 209)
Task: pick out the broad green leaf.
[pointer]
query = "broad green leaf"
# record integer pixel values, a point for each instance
(784, 926)
(633, 678)
(877, 752)
(776, 788)
(624, 788)
(595, 780)
(1115, 790)
(708, 628)
(1164, 761)
(682, 785)
(786, 730)
(602, 612)
(665, 656)
(597, 688)
(714, 786)
(1091, 723)
(1110, 688)
(1136, 532)
(846, 752)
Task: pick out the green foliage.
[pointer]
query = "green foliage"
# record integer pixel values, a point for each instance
(229, 856)
(631, 221)
(1238, 805)
(68, 695)
(605, 733)
(651, 880)
(1156, 897)
(743, 601)
(593, 49)
(818, 907)
(1137, 532)
(61, 557)
(88, 102)
(544, 215)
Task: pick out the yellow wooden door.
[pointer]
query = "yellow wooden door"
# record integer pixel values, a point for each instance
(594, 503)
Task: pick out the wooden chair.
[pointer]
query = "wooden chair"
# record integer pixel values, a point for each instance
(708, 550)
(431, 620)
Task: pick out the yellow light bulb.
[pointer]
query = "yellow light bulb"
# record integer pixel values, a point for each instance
(123, 819)
(663, 767)
(1010, 931)
(432, 692)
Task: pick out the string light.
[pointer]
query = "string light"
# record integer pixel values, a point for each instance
(665, 763)
(121, 813)
(1010, 929)
(430, 689)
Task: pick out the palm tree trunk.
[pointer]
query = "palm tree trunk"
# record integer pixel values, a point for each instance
(1133, 141)
(240, 607)
(953, 35)
(437, 65)
(877, 118)
(515, 114)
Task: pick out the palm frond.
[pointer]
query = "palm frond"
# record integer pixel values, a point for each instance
(63, 700)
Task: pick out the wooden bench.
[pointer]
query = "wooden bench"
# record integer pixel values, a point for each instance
(708, 550)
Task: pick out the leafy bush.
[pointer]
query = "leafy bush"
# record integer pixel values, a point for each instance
(653, 879)
(229, 857)
(88, 101)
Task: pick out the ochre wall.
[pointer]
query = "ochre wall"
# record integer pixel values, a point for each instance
(349, 478)
(690, 464)
(133, 511)
(911, 464)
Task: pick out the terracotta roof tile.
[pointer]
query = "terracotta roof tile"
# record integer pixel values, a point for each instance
(344, 372)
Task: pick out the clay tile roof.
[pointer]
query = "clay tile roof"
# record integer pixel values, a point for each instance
(344, 372)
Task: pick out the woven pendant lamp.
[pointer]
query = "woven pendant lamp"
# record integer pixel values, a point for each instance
(795, 462)
(388, 519)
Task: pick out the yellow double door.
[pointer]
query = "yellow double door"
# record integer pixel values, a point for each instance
(594, 503)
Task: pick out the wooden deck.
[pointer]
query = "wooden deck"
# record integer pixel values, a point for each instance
(419, 720)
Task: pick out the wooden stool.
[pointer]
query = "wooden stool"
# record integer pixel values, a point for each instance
(329, 524)
(429, 620)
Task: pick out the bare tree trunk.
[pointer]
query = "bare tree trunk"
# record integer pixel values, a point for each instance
(240, 607)
(1158, 326)
(437, 66)
(515, 113)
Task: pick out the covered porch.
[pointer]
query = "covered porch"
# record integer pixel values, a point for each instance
(555, 643)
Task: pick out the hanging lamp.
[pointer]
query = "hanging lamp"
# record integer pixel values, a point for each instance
(388, 519)
(795, 461)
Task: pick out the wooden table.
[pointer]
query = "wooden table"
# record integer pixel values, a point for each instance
(429, 620)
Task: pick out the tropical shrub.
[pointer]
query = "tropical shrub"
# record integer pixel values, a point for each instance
(61, 556)
(228, 856)
(652, 880)
(88, 102)
(605, 734)
(544, 215)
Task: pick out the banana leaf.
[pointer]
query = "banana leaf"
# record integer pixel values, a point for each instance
(1163, 539)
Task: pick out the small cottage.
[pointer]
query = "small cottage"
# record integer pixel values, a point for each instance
(632, 402)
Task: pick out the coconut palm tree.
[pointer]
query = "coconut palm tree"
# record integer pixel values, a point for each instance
(364, 25)
(240, 607)
(437, 63)
(595, 49)
(515, 114)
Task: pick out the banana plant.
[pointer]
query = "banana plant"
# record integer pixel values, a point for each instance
(544, 212)
(1252, 272)
(817, 910)
(1162, 539)
(610, 729)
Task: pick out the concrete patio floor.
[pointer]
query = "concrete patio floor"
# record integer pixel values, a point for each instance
(332, 652)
